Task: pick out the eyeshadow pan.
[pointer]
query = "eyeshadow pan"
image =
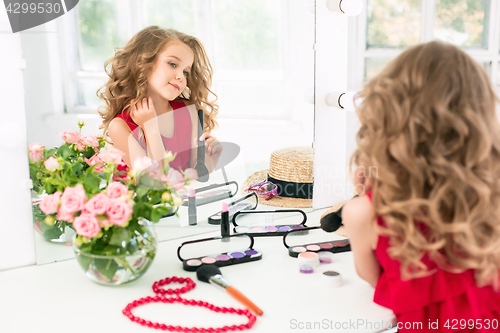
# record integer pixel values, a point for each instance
(271, 228)
(193, 262)
(299, 249)
(243, 229)
(208, 260)
(313, 247)
(223, 257)
(326, 245)
(251, 252)
(284, 228)
(340, 243)
(257, 229)
(300, 226)
(237, 255)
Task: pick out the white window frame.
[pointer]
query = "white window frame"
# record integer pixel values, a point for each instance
(357, 38)
(69, 42)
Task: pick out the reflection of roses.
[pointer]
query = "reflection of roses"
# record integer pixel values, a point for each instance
(51, 164)
(36, 146)
(98, 204)
(70, 136)
(112, 156)
(73, 199)
(86, 225)
(191, 173)
(50, 203)
(119, 212)
(80, 146)
(64, 216)
(174, 178)
(116, 189)
(35, 155)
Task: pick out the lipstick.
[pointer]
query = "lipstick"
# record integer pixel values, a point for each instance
(192, 207)
(224, 222)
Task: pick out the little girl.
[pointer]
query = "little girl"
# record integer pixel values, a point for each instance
(157, 82)
(426, 234)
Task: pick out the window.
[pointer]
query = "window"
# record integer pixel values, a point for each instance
(386, 27)
(246, 42)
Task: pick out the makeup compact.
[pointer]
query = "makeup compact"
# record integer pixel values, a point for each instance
(248, 202)
(211, 193)
(269, 223)
(219, 251)
(314, 239)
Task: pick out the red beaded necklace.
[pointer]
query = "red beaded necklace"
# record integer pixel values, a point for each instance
(160, 297)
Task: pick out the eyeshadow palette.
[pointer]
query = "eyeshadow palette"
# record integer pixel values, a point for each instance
(243, 203)
(222, 259)
(224, 251)
(314, 243)
(296, 219)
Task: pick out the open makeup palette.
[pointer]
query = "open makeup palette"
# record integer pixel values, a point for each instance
(315, 240)
(269, 223)
(219, 251)
(248, 202)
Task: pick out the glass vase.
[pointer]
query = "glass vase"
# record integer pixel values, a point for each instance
(131, 259)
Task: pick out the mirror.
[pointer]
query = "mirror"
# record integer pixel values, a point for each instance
(262, 56)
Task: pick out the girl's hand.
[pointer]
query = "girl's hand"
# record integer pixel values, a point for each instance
(212, 145)
(361, 180)
(143, 112)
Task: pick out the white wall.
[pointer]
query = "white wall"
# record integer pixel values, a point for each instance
(16, 225)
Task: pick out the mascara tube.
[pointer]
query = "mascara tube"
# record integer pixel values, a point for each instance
(192, 207)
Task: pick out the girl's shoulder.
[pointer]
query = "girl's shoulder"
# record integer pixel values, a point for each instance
(358, 216)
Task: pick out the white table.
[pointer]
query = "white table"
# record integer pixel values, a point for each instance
(59, 298)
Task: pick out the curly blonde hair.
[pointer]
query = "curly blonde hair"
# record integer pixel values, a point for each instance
(428, 124)
(129, 68)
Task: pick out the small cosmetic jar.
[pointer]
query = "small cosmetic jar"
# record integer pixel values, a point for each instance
(325, 257)
(332, 279)
(308, 258)
(306, 269)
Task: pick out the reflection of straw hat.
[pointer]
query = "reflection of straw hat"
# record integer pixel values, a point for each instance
(292, 170)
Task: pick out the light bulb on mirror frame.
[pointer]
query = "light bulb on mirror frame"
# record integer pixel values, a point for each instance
(342, 100)
(348, 7)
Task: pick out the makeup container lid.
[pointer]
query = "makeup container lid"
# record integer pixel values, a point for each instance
(325, 257)
(308, 258)
(332, 279)
(306, 269)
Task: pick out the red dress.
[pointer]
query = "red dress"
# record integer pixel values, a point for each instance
(444, 297)
(180, 143)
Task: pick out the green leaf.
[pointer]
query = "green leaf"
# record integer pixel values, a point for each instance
(119, 236)
(141, 192)
(49, 153)
(89, 153)
(77, 168)
(91, 183)
(84, 261)
(155, 216)
(63, 152)
(162, 210)
(106, 267)
(51, 231)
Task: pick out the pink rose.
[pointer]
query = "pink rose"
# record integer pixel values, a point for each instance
(36, 146)
(95, 160)
(113, 156)
(116, 189)
(80, 146)
(70, 136)
(51, 164)
(90, 141)
(98, 204)
(50, 203)
(73, 199)
(35, 155)
(65, 216)
(191, 173)
(175, 178)
(86, 225)
(119, 212)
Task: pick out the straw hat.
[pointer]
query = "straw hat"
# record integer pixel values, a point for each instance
(292, 170)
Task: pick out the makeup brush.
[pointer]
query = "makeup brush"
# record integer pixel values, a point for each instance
(332, 221)
(211, 274)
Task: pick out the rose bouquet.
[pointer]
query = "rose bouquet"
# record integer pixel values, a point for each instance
(114, 240)
(76, 161)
